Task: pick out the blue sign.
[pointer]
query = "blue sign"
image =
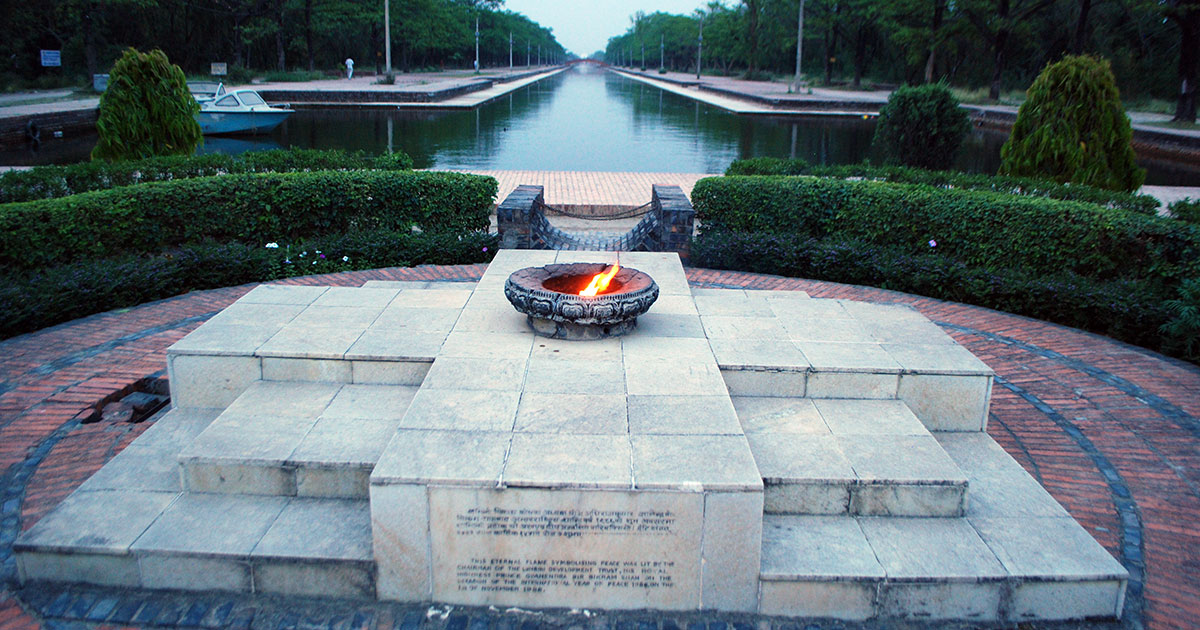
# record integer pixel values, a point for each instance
(51, 58)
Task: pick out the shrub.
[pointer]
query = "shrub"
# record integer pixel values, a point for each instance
(922, 126)
(1144, 204)
(147, 110)
(1072, 128)
(981, 229)
(1182, 332)
(32, 301)
(1128, 310)
(1186, 210)
(244, 208)
(46, 182)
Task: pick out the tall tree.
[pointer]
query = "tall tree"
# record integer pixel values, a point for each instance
(1186, 15)
(997, 21)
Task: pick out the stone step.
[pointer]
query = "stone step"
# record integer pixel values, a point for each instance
(296, 439)
(847, 456)
(1015, 556)
(131, 525)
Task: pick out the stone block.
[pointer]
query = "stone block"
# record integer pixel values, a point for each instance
(596, 350)
(907, 331)
(642, 349)
(384, 403)
(459, 458)
(224, 340)
(848, 357)
(869, 417)
(487, 345)
(803, 474)
(682, 415)
(851, 385)
(379, 343)
(756, 328)
(332, 481)
(171, 431)
(573, 413)
(319, 529)
(255, 315)
(567, 548)
(351, 580)
(818, 566)
(87, 568)
(138, 469)
(937, 568)
(674, 305)
(357, 297)
(552, 460)
(673, 378)
(765, 382)
(282, 294)
(850, 601)
(999, 486)
(309, 341)
(355, 318)
(766, 414)
(790, 309)
(399, 318)
(694, 463)
(937, 359)
(1060, 571)
(400, 542)
(731, 303)
(462, 410)
(306, 370)
(445, 296)
(191, 572)
(211, 524)
(948, 403)
(503, 375)
(106, 522)
(390, 372)
(733, 525)
(492, 316)
(233, 477)
(547, 376)
(269, 399)
(209, 381)
(824, 329)
(758, 353)
(903, 475)
(665, 325)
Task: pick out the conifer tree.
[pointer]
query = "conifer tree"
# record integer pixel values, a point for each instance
(147, 110)
(1073, 128)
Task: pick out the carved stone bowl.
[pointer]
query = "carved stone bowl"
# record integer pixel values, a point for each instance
(550, 297)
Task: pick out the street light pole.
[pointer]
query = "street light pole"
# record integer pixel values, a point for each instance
(699, 46)
(662, 47)
(477, 44)
(387, 37)
(539, 55)
(510, 66)
(528, 47)
(799, 46)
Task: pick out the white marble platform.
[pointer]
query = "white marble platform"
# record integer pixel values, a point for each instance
(740, 451)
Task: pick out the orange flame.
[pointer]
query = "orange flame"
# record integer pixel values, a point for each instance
(600, 281)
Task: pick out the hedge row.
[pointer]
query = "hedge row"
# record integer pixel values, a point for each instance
(1143, 204)
(48, 182)
(33, 300)
(985, 230)
(1127, 310)
(245, 208)
(1186, 210)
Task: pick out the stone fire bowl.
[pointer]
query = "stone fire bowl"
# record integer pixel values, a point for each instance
(549, 296)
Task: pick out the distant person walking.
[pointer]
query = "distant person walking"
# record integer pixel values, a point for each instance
(349, 68)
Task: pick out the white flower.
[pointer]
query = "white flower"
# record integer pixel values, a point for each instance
(345, 259)
(932, 243)
(272, 246)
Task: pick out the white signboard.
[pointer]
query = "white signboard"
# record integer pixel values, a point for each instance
(51, 58)
(218, 70)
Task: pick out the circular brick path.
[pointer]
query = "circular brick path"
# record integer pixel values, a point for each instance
(1109, 429)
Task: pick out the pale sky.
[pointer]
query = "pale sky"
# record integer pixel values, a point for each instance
(584, 26)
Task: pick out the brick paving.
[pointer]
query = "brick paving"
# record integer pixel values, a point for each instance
(1109, 429)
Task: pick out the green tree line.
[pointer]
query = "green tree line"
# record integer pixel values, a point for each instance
(269, 34)
(998, 45)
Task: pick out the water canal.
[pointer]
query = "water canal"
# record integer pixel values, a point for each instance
(584, 119)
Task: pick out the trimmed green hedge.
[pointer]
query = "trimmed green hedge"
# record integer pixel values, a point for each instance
(48, 182)
(1127, 310)
(1143, 204)
(250, 209)
(1186, 210)
(33, 300)
(985, 230)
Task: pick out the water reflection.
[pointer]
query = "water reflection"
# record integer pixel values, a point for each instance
(582, 120)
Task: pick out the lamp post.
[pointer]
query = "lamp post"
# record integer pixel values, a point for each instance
(539, 55)
(510, 65)
(799, 46)
(699, 46)
(387, 38)
(477, 44)
(662, 47)
(528, 47)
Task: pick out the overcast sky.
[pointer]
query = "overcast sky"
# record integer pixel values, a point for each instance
(584, 26)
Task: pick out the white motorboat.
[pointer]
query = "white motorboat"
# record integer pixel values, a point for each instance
(239, 111)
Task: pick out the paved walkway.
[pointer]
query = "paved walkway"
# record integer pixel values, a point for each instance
(1110, 430)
